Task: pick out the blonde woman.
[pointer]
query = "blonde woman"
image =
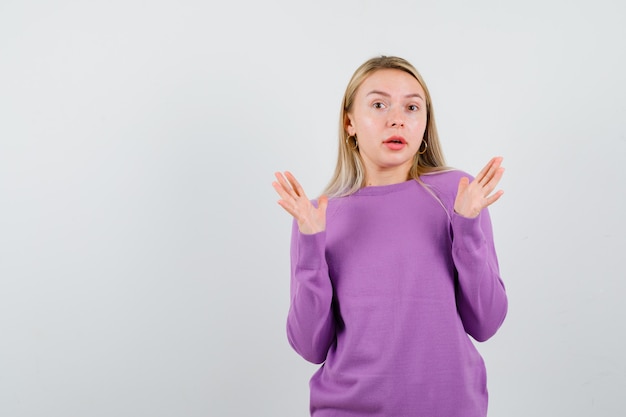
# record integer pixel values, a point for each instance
(394, 267)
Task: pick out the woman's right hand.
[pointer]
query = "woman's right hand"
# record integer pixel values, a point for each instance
(310, 219)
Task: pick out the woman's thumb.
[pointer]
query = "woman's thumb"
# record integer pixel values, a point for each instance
(323, 203)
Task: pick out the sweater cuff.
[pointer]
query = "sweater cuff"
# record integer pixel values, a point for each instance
(468, 234)
(311, 250)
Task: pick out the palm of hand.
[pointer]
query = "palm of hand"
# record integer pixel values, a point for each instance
(310, 219)
(474, 196)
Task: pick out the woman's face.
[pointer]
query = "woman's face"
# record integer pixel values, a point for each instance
(388, 117)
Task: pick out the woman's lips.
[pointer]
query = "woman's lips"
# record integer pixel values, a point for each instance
(395, 143)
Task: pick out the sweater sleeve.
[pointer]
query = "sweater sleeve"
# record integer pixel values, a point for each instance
(310, 322)
(481, 297)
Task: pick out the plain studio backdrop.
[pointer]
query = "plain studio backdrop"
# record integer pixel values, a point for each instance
(144, 261)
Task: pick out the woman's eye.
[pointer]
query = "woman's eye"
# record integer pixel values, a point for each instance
(378, 105)
(413, 107)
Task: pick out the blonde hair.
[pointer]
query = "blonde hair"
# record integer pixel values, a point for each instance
(349, 173)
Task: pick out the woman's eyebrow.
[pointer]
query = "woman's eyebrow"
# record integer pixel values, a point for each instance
(382, 93)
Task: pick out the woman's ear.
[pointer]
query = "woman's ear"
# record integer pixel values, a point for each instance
(349, 125)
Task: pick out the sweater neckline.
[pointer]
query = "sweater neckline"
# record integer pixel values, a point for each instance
(385, 189)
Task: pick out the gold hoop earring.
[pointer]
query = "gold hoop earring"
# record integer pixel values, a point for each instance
(356, 143)
(425, 147)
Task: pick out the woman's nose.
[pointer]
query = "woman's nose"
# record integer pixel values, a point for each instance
(396, 119)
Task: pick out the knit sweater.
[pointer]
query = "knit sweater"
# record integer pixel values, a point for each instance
(386, 297)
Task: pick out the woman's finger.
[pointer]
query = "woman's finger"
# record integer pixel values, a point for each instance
(284, 183)
(479, 177)
(463, 184)
(489, 186)
(492, 199)
(283, 188)
(493, 169)
(488, 171)
(295, 184)
(286, 202)
(284, 195)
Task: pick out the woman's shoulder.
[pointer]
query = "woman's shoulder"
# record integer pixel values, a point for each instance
(445, 179)
(444, 184)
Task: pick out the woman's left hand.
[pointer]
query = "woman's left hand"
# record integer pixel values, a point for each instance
(474, 196)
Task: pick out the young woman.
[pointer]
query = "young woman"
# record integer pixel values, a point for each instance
(395, 265)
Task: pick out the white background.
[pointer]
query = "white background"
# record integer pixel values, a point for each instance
(143, 257)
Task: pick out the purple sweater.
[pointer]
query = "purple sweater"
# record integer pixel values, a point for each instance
(385, 298)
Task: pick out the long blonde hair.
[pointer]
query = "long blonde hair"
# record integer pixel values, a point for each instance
(349, 173)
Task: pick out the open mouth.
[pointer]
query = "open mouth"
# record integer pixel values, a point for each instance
(396, 139)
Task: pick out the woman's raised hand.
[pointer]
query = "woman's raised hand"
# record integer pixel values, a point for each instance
(474, 196)
(310, 219)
